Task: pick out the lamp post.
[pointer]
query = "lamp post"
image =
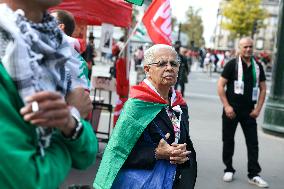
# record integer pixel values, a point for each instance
(179, 30)
(274, 109)
(254, 29)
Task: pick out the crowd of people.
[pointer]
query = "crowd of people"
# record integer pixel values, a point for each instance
(207, 60)
(45, 105)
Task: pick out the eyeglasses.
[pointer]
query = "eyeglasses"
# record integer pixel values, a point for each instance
(163, 63)
(245, 47)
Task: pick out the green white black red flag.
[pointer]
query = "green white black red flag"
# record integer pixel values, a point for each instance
(136, 2)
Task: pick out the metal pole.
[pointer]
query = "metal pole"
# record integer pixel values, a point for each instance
(179, 30)
(274, 109)
(128, 40)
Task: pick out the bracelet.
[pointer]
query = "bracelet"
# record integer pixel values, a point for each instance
(76, 132)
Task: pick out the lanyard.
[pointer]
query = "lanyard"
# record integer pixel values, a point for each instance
(255, 71)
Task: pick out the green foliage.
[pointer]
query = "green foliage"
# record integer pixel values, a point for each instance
(193, 27)
(240, 16)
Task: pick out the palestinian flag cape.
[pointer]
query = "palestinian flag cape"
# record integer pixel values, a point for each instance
(139, 110)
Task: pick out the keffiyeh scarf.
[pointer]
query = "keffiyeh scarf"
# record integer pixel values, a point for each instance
(36, 54)
(37, 57)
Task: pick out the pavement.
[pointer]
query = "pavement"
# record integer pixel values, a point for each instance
(205, 112)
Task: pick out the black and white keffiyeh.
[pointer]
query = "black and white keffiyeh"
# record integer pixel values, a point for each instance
(36, 54)
(37, 57)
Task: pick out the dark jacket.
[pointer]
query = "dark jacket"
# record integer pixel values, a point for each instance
(89, 54)
(183, 70)
(143, 156)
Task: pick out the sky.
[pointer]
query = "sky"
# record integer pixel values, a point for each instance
(208, 13)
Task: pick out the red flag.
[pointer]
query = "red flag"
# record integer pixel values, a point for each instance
(122, 86)
(117, 110)
(157, 21)
(122, 82)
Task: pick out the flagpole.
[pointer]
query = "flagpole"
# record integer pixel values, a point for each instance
(128, 40)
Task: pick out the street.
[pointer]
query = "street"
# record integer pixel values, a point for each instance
(205, 130)
(205, 119)
(66, 72)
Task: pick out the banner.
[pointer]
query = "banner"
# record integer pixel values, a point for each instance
(106, 38)
(96, 12)
(135, 2)
(158, 22)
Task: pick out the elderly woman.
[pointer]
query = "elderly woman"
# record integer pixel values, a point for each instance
(152, 131)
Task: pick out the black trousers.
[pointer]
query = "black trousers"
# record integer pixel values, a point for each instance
(249, 127)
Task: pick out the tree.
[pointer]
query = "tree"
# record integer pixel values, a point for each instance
(193, 27)
(243, 17)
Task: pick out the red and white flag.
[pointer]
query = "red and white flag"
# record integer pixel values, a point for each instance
(158, 22)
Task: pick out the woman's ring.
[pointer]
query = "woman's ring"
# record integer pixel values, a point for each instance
(35, 107)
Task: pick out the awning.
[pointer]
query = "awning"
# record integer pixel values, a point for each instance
(95, 12)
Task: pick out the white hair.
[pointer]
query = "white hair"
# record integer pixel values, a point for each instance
(149, 55)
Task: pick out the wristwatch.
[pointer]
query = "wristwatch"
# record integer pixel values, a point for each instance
(76, 132)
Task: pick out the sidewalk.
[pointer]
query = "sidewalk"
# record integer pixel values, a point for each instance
(205, 112)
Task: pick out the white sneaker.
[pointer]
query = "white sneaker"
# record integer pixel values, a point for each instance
(258, 181)
(228, 176)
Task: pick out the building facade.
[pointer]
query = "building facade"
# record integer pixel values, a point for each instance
(265, 38)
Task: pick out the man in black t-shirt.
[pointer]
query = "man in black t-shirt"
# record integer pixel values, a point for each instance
(243, 99)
